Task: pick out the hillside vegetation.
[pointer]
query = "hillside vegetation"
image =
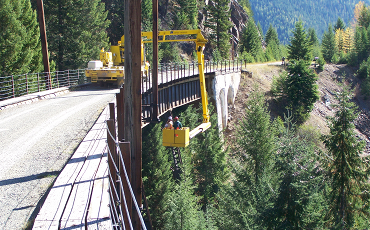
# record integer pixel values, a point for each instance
(283, 14)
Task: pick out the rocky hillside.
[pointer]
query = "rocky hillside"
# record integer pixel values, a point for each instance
(262, 75)
(239, 19)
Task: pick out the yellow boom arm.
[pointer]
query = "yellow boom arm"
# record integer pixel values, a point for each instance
(200, 42)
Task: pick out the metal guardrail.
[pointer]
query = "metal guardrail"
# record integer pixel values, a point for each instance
(24, 84)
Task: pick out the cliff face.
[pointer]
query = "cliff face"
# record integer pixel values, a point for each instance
(239, 19)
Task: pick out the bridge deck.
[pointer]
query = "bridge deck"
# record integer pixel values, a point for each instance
(79, 197)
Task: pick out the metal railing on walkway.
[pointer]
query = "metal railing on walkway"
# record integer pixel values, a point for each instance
(24, 84)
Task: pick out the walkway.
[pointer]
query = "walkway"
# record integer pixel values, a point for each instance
(79, 198)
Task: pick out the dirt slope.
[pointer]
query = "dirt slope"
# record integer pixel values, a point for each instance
(262, 75)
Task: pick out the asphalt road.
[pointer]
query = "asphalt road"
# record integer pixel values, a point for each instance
(36, 140)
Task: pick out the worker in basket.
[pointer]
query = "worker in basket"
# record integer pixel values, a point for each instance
(177, 124)
(168, 124)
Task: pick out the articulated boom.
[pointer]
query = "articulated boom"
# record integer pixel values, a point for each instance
(110, 68)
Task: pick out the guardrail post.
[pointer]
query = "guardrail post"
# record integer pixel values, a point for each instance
(78, 76)
(38, 82)
(120, 113)
(13, 86)
(58, 85)
(112, 161)
(126, 157)
(26, 84)
(112, 112)
(69, 83)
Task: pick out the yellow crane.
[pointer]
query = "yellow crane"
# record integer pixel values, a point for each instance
(110, 68)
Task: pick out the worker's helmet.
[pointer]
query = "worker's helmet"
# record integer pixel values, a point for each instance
(176, 118)
(170, 118)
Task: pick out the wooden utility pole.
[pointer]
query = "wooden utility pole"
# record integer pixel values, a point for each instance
(44, 42)
(132, 100)
(155, 62)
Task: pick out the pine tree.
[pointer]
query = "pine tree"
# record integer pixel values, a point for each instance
(185, 15)
(301, 90)
(255, 137)
(242, 204)
(272, 51)
(247, 7)
(76, 31)
(348, 170)
(209, 161)
(328, 44)
(157, 174)
(312, 37)
(339, 25)
(115, 10)
(146, 15)
(364, 18)
(300, 46)
(218, 22)
(250, 40)
(20, 45)
(362, 44)
(271, 36)
(183, 210)
(300, 184)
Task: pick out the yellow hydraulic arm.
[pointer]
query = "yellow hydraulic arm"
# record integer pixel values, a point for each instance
(180, 138)
(200, 43)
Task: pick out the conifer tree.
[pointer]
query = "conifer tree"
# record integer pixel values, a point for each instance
(183, 210)
(272, 36)
(300, 46)
(250, 40)
(209, 161)
(272, 50)
(247, 7)
(20, 38)
(362, 43)
(348, 170)
(218, 22)
(364, 18)
(313, 37)
(243, 203)
(76, 31)
(185, 15)
(301, 90)
(328, 44)
(157, 174)
(300, 184)
(255, 137)
(339, 25)
(115, 10)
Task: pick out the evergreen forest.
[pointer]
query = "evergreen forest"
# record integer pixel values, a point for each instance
(283, 14)
(280, 173)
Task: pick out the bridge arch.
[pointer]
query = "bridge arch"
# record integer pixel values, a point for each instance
(224, 107)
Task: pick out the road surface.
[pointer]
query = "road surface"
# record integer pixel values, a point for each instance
(36, 140)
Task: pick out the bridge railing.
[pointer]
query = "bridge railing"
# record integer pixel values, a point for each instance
(174, 71)
(19, 85)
